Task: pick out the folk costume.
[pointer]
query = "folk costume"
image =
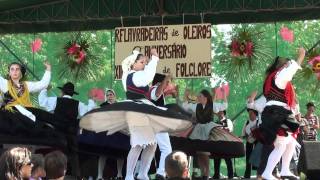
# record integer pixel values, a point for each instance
(17, 114)
(278, 121)
(138, 115)
(68, 110)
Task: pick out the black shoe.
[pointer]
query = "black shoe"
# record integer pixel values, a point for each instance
(160, 177)
(289, 178)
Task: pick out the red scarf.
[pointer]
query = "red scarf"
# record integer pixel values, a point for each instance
(289, 92)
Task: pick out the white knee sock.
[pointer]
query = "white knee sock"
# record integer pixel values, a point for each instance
(146, 159)
(101, 164)
(132, 161)
(286, 158)
(164, 144)
(274, 157)
(119, 167)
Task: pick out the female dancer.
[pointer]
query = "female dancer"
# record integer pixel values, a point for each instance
(17, 115)
(138, 114)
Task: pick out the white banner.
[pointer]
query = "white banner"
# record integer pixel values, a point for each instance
(184, 50)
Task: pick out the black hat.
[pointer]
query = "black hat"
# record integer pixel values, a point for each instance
(158, 78)
(255, 111)
(68, 88)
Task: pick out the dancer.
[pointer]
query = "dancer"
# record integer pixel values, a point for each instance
(68, 122)
(278, 122)
(17, 115)
(137, 114)
(204, 115)
(160, 82)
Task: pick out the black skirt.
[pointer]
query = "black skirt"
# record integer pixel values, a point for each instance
(15, 126)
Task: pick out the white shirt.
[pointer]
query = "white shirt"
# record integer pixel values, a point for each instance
(144, 77)
(258, 105)
(49, 103)
(33, 86)
(229, 124)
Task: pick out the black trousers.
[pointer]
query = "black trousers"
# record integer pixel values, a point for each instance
(249, 148)
(266, 150)
(217, 163)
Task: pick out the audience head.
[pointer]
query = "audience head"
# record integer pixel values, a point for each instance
(38, 166)
(55, 165)
(176, 165)
(110, 96)
(310, 107)
(15, 164)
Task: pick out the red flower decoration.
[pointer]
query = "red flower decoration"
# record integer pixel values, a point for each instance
(72, 50)
(80, 57)
(249, 49)
(36, 45)
(235, 48)
(286, 34)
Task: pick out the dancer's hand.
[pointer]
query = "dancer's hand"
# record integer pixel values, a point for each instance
(47, 65)
(301, 55)
(154, 52)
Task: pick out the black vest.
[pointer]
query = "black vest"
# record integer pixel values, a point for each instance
(67, 108)
(204, 115)
(134, 92)
(160, 101)
(276, 94)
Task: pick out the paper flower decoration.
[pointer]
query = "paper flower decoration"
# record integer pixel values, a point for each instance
(247, 50)
(36, 45)
(77, 60)
(315, 64)
(287, 34)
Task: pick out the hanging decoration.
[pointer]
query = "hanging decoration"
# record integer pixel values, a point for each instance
(36, 45)
(246, 50)
(78, 60)
(221, 91)
(287, 34)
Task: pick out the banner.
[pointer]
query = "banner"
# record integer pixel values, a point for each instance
(184, 50)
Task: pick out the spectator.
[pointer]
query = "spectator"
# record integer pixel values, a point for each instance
(251, 124)
(55, 165)
(176, 166)
(228, 126)
(38, 171)
(313, 122)
(15, 164)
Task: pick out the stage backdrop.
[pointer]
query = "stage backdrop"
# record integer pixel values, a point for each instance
(184, 50)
